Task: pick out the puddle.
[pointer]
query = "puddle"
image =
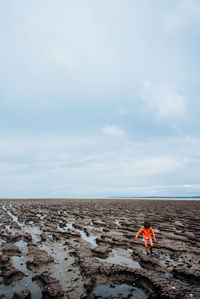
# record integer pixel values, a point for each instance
(69, 226)
(120, 289)
(21, 244)
(11, 207)
(15, 218)
(89, 239)
(40, 216)
(121, 257)
(167, 274)
(35, 233)
(2, 242)
(117, 222)
(51, 237)
(20, 264)
(26, 282)
(8, 228)
(33, 230)
(58, 253)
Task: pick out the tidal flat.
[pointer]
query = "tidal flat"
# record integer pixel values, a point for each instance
(86, 248)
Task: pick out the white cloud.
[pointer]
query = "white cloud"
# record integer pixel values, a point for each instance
(87, 166)
(191, 186)
(113, 131)
(156, 165)
(164, 102)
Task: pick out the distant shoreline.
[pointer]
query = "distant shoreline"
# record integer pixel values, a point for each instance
(101, 198)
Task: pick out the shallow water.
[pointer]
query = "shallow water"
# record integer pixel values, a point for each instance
(21, 244)
(117, 222)
(121, 257)
(119, 289)
(89, 239)
(8, 228)
(40, 216)
(19, 263)
(26, 282)
(69, 226)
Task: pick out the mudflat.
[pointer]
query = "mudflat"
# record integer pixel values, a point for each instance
(86, 248)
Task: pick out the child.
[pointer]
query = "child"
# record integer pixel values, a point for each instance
(147, 230)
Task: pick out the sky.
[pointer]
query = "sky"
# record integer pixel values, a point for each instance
(99, 98)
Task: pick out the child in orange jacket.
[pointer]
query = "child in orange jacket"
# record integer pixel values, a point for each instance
(147, 231)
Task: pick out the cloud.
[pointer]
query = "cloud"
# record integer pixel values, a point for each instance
(113, 131)
(191, 186)
(92, 166)
(165, 103)
(154, 165)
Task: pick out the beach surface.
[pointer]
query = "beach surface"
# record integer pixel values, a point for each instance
(86, 248)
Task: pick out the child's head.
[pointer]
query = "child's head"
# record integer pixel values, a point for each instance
(147, 223)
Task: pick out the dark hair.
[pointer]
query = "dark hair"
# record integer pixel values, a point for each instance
(147, 223)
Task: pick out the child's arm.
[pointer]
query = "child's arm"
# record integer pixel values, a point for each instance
(153, 234)
(139, 232)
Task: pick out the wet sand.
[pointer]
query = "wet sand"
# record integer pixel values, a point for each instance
(86, 248)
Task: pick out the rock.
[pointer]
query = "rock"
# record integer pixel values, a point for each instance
(16, 226)
(52, 292)
(24, 294)
(4, 260)
(146, 261)
(101, 251)
(89, 284)
(50, 286)
(10, 249)
(38, 261)
(43, 237)
(27, 237)
(12, 275)
(188, 274)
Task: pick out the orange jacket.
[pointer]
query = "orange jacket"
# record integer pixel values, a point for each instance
(146, 232)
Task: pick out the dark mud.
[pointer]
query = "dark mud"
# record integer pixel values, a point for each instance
(86, 249)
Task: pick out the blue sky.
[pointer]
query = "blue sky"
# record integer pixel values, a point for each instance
(99, 98)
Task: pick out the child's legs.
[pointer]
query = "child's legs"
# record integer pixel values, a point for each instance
(146, 246)
(151, 244)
